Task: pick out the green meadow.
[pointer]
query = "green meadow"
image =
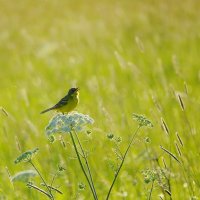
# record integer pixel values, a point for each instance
(126, 57)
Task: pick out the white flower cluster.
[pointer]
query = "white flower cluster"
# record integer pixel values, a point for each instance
(67, 123)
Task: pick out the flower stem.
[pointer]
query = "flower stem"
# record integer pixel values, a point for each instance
(149, 198)
(122, 162)
(53, 188)
(38, 189)
(87, 164)
(49, 190)
(80, 162)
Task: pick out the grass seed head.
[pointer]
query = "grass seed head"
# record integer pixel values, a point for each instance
(171, 154)
(165, 127)
(179, 139)
(178, 149)
(181, 102)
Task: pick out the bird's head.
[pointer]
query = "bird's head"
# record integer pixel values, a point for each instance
(73, 92)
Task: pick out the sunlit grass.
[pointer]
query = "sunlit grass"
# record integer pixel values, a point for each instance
(126, 57)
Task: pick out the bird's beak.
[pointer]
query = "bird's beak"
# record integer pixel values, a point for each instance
(77, 89)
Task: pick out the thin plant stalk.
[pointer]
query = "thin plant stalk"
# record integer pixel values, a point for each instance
(53, 179)
(87, 164)
(39, 189)
(122, 162)
(149, 198)
(80, 162)
(49, 190)
(53, 188)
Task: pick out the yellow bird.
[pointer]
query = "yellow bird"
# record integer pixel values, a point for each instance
(67, 103)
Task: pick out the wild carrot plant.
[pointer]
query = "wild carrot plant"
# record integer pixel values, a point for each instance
(72, 124)
(25, 176)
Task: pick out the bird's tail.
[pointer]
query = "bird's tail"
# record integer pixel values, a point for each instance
(44, 111)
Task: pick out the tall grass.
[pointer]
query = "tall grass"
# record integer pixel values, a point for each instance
(126, 56)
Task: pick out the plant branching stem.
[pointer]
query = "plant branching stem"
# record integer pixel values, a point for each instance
(53, 188)
(87, 164)
(38, 189)
(54, 176)
(49, 190)
(80, 162)
(149, 198)
(122, 162)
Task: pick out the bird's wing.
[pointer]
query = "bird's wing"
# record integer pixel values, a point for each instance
(62, 102)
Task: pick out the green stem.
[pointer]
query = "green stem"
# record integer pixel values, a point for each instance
(38, 189)
(51, 196)
(80, 162)
(53, 188)
(87, 164)
(123, 158)
(149, 198)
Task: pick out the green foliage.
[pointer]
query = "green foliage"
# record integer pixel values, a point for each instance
(124, 62)
(81, 186)
(110, 136)
(147, 140)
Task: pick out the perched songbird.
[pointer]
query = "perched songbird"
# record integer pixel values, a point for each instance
(67, 103)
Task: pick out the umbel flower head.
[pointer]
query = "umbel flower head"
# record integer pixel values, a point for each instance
(26, 156)
(143, 121)
(66, 123)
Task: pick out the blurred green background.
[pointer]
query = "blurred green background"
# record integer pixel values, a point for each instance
(127, 57)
